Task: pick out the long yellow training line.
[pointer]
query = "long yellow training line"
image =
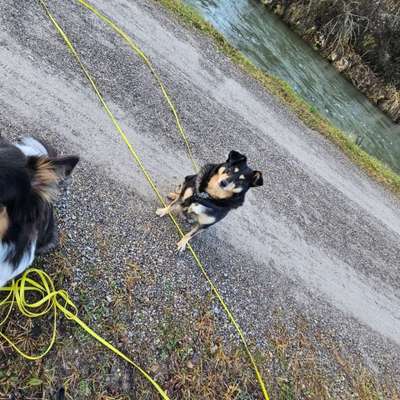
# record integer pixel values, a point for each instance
(145, 172)
(138, 51)
(146, 60)
(52, 299)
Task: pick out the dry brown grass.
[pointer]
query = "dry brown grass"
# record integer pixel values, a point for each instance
(393, 102)
(194, 362)
(344, 28)
(315, 366)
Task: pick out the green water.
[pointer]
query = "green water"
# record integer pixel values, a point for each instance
(270, 45)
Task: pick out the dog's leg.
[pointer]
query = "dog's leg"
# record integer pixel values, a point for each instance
(174, 195)
(190, 235)
(48, 247)
(161, 212)
(48, 235)
(181, 197)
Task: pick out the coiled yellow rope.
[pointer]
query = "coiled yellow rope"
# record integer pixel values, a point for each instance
(52, 300)
(46, 288)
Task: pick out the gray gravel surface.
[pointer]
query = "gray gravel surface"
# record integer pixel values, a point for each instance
(318, 238)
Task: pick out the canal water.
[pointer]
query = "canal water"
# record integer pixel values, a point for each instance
(274, 48)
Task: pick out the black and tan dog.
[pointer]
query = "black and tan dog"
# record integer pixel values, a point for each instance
(30, 172)
(207, 197)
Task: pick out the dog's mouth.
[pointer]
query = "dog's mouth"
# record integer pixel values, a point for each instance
(232, 180)
(226, 185)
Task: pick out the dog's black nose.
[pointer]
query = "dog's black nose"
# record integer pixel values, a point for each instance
(223, 183)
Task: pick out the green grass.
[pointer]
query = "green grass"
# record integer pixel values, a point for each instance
(306, 112)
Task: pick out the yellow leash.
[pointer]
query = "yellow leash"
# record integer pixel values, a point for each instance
(46, 288)
(52, 300)
(138, 51)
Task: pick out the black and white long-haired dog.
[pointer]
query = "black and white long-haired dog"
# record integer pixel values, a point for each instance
(30, 172)
(206, 198)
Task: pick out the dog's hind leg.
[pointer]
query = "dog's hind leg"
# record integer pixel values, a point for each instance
(190, 235)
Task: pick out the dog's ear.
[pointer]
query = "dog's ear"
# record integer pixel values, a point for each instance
(64, 166)
(257, 179)
(47, 172)
(235, 157)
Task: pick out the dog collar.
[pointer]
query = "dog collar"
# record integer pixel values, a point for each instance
(203, 195)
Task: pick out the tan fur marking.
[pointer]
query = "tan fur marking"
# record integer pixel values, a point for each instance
(242, 177)
(215, 190)
(4, 222)
(236, 169)
(45, 180)
(188, 193)
(173, 195)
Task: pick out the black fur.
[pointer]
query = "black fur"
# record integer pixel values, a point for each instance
(31, 217)
(238, 178)
(219, 208)
(15, 196)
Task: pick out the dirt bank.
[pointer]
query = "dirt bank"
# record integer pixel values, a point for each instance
(359, 38)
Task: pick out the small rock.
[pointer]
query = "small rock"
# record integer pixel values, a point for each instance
(154, 368)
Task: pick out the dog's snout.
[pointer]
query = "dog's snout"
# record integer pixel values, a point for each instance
(224, 183)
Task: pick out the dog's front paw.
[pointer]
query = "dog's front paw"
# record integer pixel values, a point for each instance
(161, 212)
(182, 244)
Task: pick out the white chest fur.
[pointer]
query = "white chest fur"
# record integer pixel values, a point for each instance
(201, 214)
(7, 271)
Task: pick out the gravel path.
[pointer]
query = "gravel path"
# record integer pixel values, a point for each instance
(319, 238)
